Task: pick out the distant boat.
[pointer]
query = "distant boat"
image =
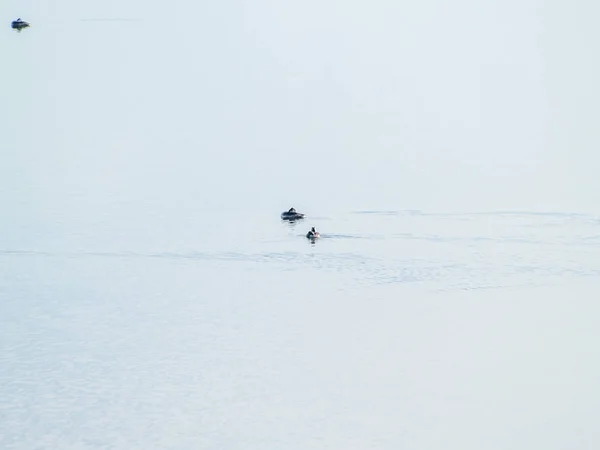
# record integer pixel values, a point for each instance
(19, 24)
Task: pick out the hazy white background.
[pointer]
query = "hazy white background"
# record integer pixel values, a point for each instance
(150, 298)
(429, 105)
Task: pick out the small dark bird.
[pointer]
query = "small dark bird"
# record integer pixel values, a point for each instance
(19, 24)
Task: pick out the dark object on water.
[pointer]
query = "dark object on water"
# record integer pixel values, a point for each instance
(19, 24)
(313, 234)
(292, 215)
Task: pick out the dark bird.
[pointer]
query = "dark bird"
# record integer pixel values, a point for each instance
(19, 24)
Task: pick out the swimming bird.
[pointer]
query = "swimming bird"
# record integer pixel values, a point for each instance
(313, 234)
(292, 215)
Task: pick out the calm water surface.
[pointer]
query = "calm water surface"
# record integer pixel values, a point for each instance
(398, 329)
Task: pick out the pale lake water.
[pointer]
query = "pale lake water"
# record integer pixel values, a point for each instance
(395, 330)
